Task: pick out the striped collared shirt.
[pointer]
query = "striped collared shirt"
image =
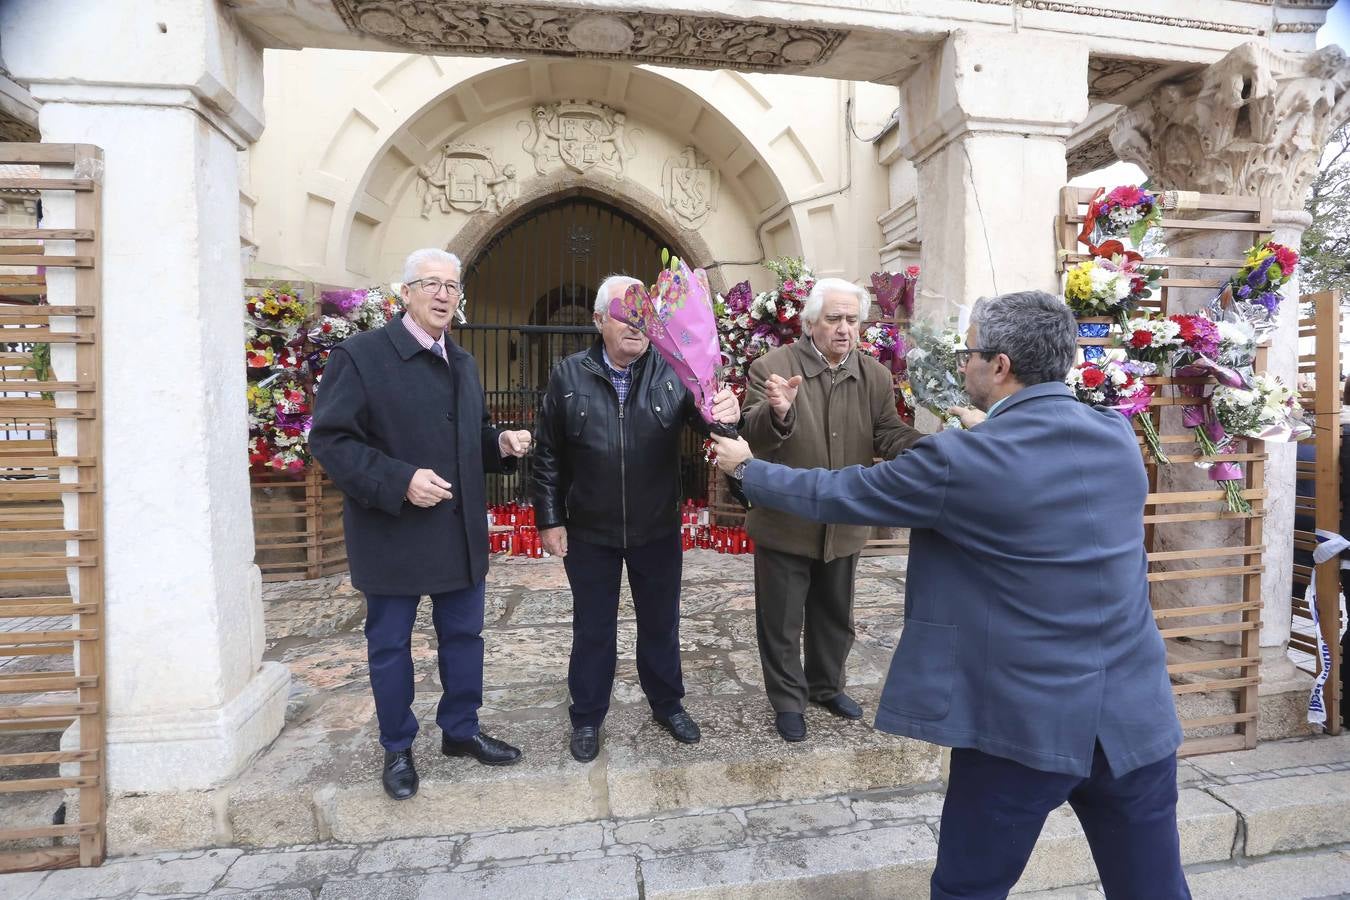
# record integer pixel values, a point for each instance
(427, 341)
(622, 378)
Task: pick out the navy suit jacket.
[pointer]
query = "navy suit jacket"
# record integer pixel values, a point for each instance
(1028, 632)
(386, 408)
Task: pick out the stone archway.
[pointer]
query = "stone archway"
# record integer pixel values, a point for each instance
(627, 196)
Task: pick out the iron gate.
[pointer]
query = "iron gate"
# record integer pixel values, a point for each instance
(529, 298)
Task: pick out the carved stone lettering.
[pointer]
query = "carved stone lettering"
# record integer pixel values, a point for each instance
(639, 37)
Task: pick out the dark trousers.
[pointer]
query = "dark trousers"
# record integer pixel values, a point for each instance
(995, 809)
(654, 576)
(458, 619)
(796, 595)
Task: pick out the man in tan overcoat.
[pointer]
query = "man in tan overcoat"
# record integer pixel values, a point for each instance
(816, 403)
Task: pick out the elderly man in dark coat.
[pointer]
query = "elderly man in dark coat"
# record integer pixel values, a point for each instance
(1028, 645)
(400, 426)
(815, 403)
(606, 495)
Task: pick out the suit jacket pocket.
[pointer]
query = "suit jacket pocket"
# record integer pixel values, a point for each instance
(923, 671)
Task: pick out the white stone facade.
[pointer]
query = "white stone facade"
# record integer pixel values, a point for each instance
(999, 102)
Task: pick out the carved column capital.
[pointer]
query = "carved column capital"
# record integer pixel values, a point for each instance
(1253, 123)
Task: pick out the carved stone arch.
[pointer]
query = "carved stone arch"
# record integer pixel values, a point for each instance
(389, 168)
(625, 194)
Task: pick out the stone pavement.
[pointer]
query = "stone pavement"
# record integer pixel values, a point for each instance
(850, 811)
(1271, 822)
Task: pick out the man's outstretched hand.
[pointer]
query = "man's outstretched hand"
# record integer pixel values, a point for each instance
(731, 452)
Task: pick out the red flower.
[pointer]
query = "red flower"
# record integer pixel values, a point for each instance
(1141, 339)
(1187, 327)
(912, 271)
(1093, 377)
(1125, 195)
(1286, 258)
(327, 327)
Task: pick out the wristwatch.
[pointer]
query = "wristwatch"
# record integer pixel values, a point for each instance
(738, 473)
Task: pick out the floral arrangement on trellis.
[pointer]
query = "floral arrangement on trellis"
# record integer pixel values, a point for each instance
(1218, 342)
(287, 339)
(750, 325)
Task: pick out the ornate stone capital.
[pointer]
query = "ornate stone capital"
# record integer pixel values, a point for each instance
(514, 29)
(1254, 123)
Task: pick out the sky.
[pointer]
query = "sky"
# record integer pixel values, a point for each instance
(1337, 28)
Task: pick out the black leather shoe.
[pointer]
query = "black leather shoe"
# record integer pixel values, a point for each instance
(843, 706)
(487, 750)
(791, 725)
(681, 727)
(585, 743)
(400, 775)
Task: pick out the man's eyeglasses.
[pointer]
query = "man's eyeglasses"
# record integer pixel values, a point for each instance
(432, 286)
(965, 353)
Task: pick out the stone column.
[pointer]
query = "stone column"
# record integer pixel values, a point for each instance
(1252, 124)
(189, 698)
(984, 122)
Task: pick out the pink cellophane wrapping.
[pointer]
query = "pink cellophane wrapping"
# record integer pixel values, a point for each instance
(678, 319)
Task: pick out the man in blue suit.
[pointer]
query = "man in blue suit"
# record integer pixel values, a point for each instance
(1029, 645)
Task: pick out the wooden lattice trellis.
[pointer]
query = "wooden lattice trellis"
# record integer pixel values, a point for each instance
(1322, 407)
(1222, 668)
(297, 526)
(51, 562)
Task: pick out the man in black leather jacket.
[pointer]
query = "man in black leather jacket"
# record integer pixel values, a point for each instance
(606, 494)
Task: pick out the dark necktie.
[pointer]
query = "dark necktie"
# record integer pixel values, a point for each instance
(437, 349)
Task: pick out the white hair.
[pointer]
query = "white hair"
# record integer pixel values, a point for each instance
(602, 292)
(816, 299)
(418, 258)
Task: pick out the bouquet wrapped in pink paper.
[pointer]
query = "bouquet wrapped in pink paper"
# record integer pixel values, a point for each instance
(677, 316)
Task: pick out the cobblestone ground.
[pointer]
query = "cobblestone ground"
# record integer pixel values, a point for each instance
(315, 628)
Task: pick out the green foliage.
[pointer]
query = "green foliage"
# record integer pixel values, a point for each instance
(1325, 250)
(788, 268)
(41, 363)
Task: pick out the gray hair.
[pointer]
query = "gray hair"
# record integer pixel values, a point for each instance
(602, 292)
(417, 258)
(1034, 329)
(816, 299)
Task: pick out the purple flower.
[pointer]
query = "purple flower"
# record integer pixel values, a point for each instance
(1259, 276)
(1205, 337)
(295, 420)
(343, 301)
(1244, 292)
(1270, 300)
(739, 298)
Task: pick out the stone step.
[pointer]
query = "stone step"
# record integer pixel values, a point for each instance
(1255, 824)
(320, 781)
(641, 771)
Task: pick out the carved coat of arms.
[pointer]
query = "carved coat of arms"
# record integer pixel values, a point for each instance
(464, 177)
(689, 187)
(580, 136)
